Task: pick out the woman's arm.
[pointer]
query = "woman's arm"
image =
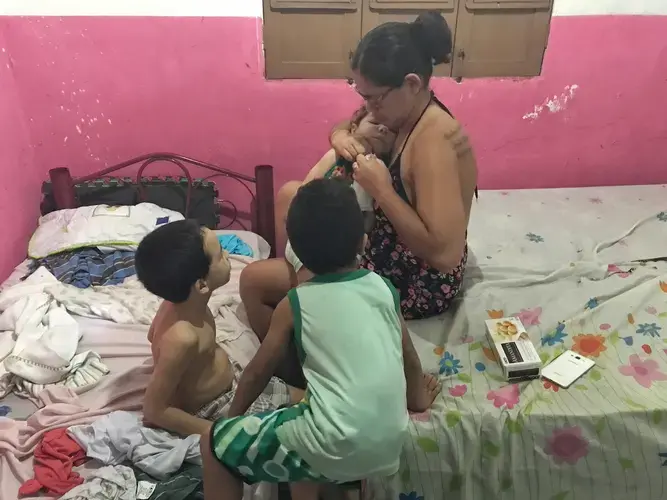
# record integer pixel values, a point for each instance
(435, 229)
(343, 143)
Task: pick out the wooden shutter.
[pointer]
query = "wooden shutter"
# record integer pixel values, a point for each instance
(376, 12)
(315, 4)
(508, 4)
(501, 38)
(310, 38)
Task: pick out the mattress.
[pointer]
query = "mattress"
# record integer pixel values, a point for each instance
(583, 270)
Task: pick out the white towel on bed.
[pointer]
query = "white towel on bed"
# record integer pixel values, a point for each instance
(41, 335)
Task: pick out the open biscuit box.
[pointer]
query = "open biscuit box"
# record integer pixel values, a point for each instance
(514, 350)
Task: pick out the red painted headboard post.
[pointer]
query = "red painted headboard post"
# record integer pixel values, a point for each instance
(63, 188)
(264, 211)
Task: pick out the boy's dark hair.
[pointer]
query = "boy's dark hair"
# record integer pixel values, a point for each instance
(389, 52)
(325, 225)
(171, 259)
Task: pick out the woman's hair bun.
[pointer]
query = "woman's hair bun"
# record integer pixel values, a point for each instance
(433, 36)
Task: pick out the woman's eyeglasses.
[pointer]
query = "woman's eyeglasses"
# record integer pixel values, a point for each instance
(371, 99)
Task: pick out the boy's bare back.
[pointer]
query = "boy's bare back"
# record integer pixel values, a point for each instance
(186, 355)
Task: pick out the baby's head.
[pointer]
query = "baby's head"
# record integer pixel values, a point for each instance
(376, 138)
(325, 226)
(181, 260)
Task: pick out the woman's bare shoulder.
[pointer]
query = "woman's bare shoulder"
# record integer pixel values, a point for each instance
(439, 125)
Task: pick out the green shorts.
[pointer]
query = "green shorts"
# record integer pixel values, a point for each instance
(249, 447)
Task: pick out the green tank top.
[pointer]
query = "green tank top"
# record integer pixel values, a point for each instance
(347, 330)
(342, 168)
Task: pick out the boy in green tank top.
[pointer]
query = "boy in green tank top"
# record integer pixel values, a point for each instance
(361, 368)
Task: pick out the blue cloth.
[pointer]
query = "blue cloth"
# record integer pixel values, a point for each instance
(235, 245)
(87, 267)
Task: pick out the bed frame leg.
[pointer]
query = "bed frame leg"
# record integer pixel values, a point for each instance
(63, 188)
(264, 206)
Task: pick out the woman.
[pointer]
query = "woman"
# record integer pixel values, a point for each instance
(423, 200)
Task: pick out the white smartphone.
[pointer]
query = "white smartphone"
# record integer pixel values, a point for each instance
(567, 368)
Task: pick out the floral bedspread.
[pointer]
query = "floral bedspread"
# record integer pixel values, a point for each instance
(603, 438)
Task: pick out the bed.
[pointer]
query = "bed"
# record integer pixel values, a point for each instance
(580, 267)
(124, 348)
(584, 269)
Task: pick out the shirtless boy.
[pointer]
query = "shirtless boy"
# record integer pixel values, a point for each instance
(193, 380)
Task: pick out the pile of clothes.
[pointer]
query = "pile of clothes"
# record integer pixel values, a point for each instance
(137, 462)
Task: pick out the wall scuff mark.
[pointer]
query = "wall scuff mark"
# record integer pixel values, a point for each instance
(553, 104)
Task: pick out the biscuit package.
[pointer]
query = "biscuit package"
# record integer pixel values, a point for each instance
(514, 350)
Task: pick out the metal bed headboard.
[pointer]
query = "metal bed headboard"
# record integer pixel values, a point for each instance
(63, 189)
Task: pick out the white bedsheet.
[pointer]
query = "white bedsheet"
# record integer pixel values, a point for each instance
(540, 230)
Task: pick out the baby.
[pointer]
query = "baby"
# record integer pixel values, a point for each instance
(361, 368)
(193, 380)
(376, 139)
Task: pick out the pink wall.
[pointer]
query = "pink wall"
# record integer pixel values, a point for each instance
(19, 187)
(94, 91)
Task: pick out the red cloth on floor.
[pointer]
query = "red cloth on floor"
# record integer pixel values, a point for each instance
(55, 456)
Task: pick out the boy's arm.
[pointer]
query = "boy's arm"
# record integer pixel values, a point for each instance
(261, 368)
(321, 167)
(177, 350)
(414, 376)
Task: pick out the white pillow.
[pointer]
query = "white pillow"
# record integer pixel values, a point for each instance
(121, 227)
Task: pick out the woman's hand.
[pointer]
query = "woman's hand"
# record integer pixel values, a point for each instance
(373, 175)
(346, 145)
